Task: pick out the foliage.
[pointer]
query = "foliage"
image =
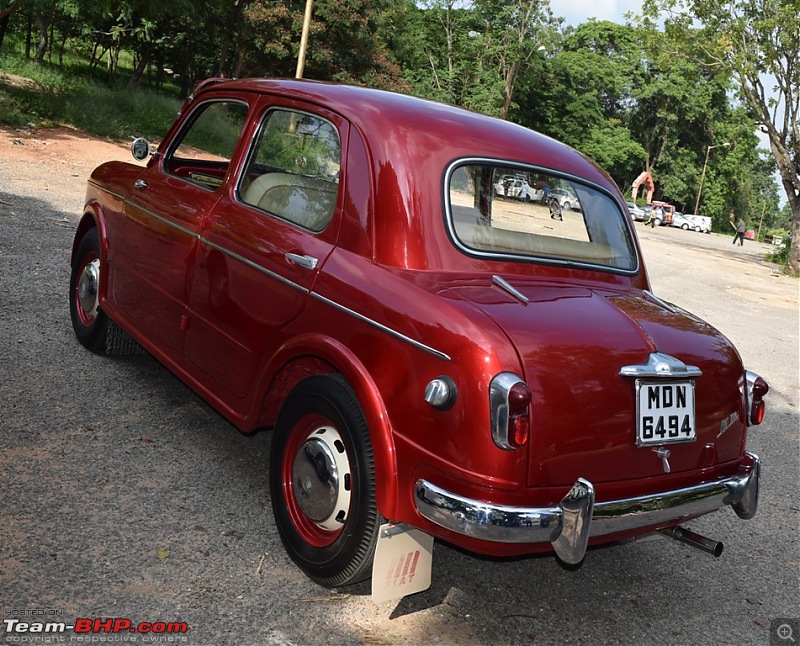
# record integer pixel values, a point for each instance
(54, 95)
(757, 42)
(649, 95)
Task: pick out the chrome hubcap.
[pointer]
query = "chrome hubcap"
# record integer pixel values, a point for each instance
(321, 479)
(88, 287)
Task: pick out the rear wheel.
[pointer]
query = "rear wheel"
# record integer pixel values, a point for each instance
(322, 482)
(88, 321)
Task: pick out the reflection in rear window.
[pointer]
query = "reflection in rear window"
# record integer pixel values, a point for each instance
(529, 214)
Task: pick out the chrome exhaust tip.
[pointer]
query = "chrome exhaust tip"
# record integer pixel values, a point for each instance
(689, 537)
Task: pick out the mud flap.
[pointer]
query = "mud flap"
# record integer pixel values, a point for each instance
(402, 564)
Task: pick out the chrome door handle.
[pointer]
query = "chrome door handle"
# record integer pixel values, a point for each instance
(140, 183)
(306, 262)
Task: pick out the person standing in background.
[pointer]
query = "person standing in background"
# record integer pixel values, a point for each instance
(740, 227)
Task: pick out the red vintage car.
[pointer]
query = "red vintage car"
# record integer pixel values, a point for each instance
(332, 263)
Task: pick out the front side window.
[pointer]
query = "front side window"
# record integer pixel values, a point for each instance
(203, 152)
(293, 171)
(511, 212)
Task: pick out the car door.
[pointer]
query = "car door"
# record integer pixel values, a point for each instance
(164, 216)
(265, 243)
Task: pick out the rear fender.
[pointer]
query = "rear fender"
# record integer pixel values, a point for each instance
(311, 354)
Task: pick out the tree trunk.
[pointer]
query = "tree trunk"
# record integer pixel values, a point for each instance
(41, 47)
(237, 71)
(3, 28)
(508, 89)
(28, 36)
(144, 60)
(223, 56)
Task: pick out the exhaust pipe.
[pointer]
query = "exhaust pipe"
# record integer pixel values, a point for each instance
(695, 540)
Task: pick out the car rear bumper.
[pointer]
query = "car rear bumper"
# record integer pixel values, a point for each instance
(569, 525)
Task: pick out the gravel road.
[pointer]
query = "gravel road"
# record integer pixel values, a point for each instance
(125, 496)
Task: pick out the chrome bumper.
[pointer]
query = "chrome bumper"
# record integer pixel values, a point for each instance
(569, 525)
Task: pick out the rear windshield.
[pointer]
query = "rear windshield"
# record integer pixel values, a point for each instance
(528, 214)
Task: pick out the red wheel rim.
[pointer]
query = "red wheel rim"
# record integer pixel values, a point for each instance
(308, 529)
(86, 288)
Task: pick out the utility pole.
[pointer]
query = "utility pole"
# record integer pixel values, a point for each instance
(301, 56)
(703, 175)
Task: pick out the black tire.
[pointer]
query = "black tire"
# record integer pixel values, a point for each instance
(329, 528)
(89, 322)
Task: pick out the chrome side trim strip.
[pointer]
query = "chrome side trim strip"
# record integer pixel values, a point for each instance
(565, 525)
(256, 266)
(106, 190)
(660, 365)
(283, 280)
(382, 327)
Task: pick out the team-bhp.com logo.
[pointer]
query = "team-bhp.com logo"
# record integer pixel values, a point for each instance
(87, 626)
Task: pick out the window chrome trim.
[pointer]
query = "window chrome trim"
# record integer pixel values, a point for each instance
(540, 259)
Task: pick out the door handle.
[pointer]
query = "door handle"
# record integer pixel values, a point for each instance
(306, 262)
(140, 183)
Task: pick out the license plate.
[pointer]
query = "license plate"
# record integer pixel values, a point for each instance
(665, 412)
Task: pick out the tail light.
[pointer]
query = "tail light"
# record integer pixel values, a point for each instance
(509, 400)
(756, 389)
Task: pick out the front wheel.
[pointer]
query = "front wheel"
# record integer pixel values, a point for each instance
(88, 321)
(322, 482)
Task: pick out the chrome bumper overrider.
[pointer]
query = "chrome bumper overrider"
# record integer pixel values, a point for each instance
(569, 525)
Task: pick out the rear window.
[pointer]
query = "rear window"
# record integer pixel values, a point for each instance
(512, 212)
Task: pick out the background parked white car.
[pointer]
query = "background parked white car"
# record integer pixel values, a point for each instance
(701, 223)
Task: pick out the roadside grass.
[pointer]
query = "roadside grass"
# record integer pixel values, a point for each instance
(49, 95)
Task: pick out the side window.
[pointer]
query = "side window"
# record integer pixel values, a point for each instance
(204, 149)
(293, 171)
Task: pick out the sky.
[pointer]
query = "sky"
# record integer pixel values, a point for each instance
(577, 11)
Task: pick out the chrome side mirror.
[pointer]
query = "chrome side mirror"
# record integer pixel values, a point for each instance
(140, 149)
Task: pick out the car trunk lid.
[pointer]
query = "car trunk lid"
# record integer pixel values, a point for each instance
(574, 341)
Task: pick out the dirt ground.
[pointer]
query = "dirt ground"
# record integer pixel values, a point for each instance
(124, 495)
(66, 155)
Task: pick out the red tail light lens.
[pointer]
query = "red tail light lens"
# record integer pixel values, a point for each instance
(509, 400)
(756, 389)
(519, 400)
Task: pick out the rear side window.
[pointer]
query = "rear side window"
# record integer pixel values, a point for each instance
(512, 212)
(293, 171)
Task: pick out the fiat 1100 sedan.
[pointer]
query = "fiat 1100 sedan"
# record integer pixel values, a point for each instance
(333, 263)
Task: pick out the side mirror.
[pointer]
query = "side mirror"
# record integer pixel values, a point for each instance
(140, 149)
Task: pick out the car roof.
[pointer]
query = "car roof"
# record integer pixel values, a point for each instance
(436, 130)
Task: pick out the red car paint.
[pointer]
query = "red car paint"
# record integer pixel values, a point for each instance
(202, 281)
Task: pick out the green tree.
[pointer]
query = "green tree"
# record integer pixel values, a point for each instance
(343, 43)
(758, 42)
